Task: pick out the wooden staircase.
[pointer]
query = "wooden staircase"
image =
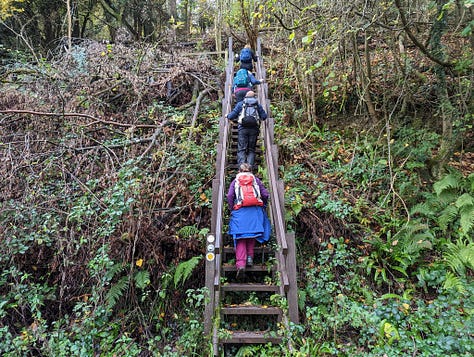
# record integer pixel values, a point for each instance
(258, 308)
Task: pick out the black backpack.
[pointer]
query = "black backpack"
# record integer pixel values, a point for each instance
(249, 117)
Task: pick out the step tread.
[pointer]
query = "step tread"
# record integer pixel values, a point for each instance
(251, 310)
(249, 287)
(252, 337)
(255, 267)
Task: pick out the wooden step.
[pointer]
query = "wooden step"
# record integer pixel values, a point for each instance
(250, 337)
(257, 250)
(249, 287)
(255, 267)
(251, 310)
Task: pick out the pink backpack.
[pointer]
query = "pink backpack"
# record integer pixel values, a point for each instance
(247, 191)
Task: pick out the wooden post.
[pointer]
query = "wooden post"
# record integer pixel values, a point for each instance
(211, 261)
(292, 295)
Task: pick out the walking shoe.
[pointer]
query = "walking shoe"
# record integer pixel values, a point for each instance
(249, 261)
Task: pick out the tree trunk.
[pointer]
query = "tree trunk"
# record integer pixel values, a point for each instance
(218, 24)
(362, 77)
(69, 25)
(251, 29)
(446, 109)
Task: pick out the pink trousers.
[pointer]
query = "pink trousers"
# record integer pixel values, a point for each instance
(243, 248)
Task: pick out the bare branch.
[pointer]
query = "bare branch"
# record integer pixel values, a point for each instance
(96, 120)
(415, 41)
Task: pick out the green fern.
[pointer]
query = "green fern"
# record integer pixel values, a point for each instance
(188, 231)
(112, 270)
(405, 248)
(465, 200)
(459, 256)
(184, 270)
(454, 282)
(414, 237)
(425, 209)
(451, 181)
(465, 203)
(467, 220)
(116, 291)
(447, 216)
(142, 279)
(451, 207)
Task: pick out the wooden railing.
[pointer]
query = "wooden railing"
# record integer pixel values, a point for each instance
(215, 238)
(285, 254)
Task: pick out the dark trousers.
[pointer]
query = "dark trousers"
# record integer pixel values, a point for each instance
(247, 65)
(240, 94)
(247, 141)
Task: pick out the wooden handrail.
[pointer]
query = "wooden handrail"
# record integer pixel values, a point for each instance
(213, 268)
(272, 170)
(224, 128)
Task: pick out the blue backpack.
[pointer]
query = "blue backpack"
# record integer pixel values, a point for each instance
(241, 79)
(246, 55)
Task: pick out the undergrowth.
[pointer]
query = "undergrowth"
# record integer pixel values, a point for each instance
(102, 237)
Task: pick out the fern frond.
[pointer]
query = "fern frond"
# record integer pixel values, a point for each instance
(447, 216)
(464, 200)
(184, 269)
(423, 209)
(470, 182)
(116, 291)
(188, 231)
(454, 282)
(459, 256)
(414, 231)
(467, 219)
(420, 242)
(447, 197)
(142, 279)
(409, 242)
(203, 232)
(446, 183)
(113, 269)
(467, 256)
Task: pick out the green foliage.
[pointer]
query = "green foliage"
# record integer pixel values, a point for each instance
(394, 255)
(24, 296)
(455, 282)
(187, 231)
(119, 198)
(331, 279)
(109, 204)
(431, 276)
(142, 279)
(439, 327)
(451, 207)
(190, 341)
(28, 228)
(337, 208)
(116, 291)
(459, 256)
(294, 192)
(184, 270)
